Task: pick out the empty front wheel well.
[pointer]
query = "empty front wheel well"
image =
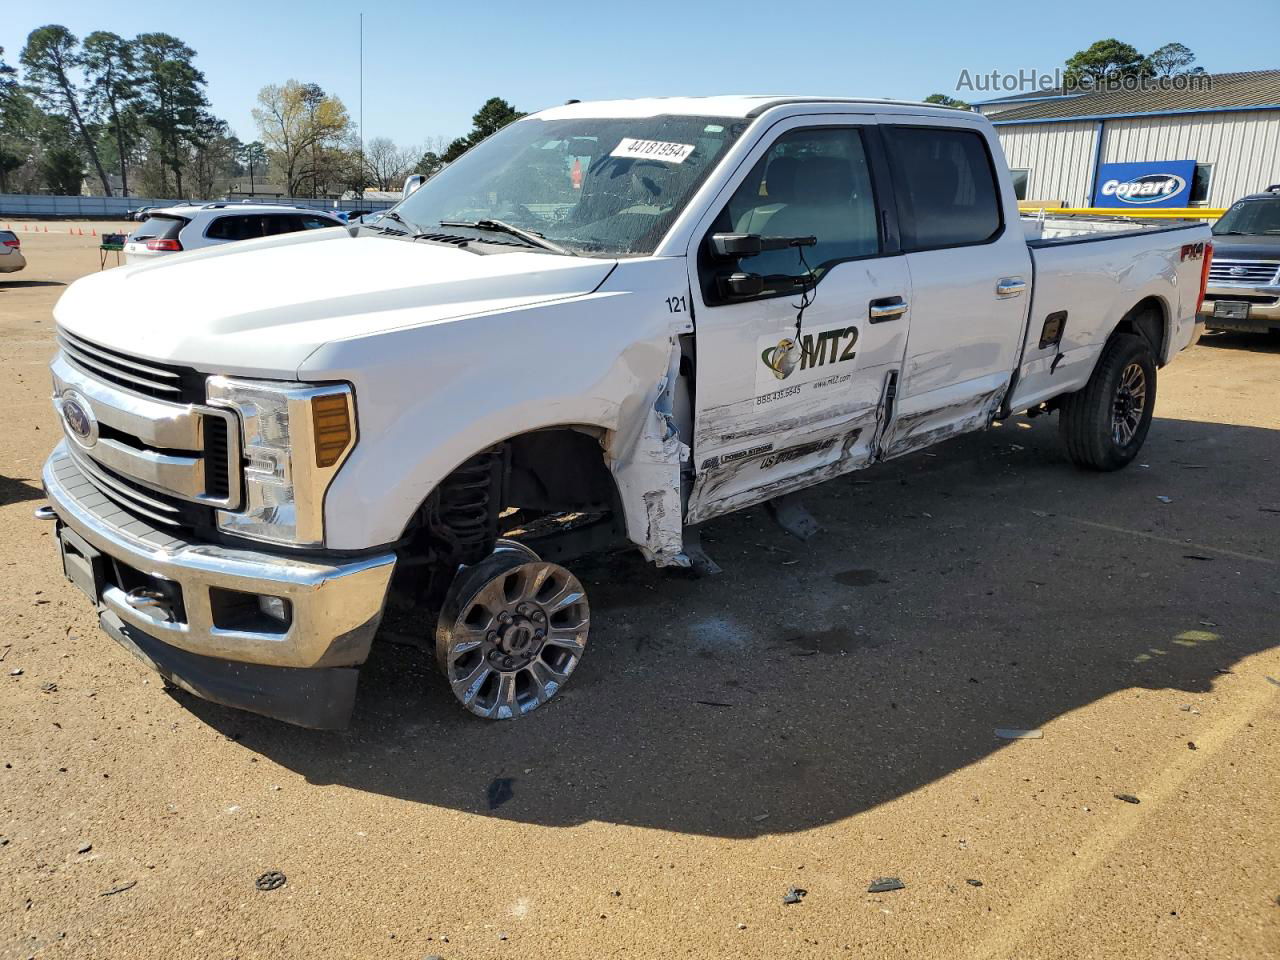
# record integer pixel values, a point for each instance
(549, 488)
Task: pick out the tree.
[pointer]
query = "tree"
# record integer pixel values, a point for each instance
(213, 153)
(296, 122)
(254, 156)
(388, 164)
(1170, 60)
(61, 163)
(495, 114)
(109, 68)
(1106, 60)
(172, 100)
(49, 57)
(942, 100)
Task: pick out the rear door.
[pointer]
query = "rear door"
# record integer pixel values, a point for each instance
(970, 278)
(787, 396)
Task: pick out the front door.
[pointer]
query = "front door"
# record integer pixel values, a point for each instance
(791, 379)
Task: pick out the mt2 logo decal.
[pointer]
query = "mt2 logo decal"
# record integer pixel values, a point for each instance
(828, 347)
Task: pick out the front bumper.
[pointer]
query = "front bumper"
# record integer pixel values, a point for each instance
(300, 671)
(1264, 307)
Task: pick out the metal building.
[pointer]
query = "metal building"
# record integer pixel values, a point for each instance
(1205, 141)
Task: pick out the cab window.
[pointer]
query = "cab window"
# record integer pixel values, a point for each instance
(945, 186)
(810, 183)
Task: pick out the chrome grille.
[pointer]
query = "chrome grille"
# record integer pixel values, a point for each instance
(1243, 272)
(145, 448)
(145, 377)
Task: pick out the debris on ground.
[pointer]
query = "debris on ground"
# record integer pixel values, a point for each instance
(1273, 680)
(271, 880)
(1221, 670)
(1165, 499)
(795, 895)
(1195, 556)
(85, 848)
(1013, 733)
(16, 672)
(500, 792)
(1126, 797)
(1191, 745)
(973, 883)
(49, 687)
(886, 884)
(760, 817)
(714, 703)
(120, 889)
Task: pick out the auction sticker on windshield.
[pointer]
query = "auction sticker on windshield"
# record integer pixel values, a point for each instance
(652, 150)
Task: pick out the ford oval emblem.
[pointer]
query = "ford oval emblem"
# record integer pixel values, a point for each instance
(78, 416)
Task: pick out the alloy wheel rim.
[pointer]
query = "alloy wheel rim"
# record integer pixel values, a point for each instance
(1130, 404)
(516, 639)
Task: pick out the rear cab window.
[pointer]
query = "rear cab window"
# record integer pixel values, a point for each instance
(159, 227)
(945, 187)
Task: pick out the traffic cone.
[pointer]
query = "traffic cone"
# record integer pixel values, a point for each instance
(95, 232)
(79, 231)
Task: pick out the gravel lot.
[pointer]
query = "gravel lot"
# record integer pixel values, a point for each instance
(820, 716)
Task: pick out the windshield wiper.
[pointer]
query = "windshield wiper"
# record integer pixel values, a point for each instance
(392, 215)
(501, 226)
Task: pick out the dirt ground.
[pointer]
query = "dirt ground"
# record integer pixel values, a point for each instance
(819, 716)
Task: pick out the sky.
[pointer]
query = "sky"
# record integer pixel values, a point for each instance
(428, 66)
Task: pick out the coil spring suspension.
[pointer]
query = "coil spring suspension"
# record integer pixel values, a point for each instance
(462, 518)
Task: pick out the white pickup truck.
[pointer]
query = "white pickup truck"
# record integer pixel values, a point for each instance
(605, 324)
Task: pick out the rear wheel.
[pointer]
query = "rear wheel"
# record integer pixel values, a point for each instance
(512, 630)
(1105, 424)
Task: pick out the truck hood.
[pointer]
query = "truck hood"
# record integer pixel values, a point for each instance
(1247, 247)
(260, 307)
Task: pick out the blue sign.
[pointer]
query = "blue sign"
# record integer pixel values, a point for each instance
(1166, 184)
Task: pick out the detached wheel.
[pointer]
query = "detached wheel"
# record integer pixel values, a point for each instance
(512, 631)
(1105, 424)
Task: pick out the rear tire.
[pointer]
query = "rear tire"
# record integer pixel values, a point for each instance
(1105, 424)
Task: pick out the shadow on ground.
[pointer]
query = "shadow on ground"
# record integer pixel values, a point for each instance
(19, 489)
(1252, 342)
(986, 584)
(15, 284)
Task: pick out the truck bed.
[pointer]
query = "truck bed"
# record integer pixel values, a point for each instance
(1093, 272)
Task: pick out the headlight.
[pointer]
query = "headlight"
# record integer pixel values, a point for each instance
(296, 436)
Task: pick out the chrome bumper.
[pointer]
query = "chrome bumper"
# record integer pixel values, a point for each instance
(336, 605)
(1259, 313)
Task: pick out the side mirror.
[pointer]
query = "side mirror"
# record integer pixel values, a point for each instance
(413, 182)
(731, 246)
(739, 286)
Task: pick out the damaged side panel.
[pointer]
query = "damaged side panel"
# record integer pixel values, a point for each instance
(915, 429)
(645, 456)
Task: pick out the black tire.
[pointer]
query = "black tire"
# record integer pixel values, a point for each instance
(1103, 425)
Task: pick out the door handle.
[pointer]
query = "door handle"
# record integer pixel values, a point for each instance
(1010, 287)
(887, 308)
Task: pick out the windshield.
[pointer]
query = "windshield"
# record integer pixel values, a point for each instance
(600, 187)
(1255, 217)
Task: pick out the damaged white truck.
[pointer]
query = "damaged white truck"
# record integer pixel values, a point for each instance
(604, 325)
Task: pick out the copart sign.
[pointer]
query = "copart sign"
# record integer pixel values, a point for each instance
(1166, 184)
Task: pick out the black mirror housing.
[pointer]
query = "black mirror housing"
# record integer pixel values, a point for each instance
(739, 286)
(732, 246)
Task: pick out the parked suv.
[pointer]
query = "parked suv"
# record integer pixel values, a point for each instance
(174, 229)
(11, 258)
(1244, 279)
